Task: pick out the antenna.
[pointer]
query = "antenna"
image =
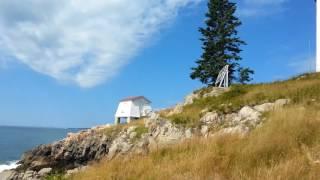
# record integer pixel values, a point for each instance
(318, 37)
(311, 65)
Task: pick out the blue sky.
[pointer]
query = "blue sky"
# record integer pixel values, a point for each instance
(68, 67)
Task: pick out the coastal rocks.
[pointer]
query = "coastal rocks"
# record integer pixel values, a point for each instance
(127, 142)
(215, 91)
(176, 110)
(248, 114)
(75, 150)
(45, 171)
(241, 130)
(264, 107)
(78, 149)
(75, 170)
(188, 133)
(25, 175)
(165, 132)
(30, 175)
(189, 99)
(240, 122)
(211, 118)
(14, 175)
(272, 106)
(120, 145)
(7, 175)
(204, 130)
(281, 102)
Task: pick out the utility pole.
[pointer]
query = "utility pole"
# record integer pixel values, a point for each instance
(318, 37)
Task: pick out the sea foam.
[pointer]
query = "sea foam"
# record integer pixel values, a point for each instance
(8, 166)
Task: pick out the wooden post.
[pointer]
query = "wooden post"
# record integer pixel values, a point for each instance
(116, 120)
(128, 120)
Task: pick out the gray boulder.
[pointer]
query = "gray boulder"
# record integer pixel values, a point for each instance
(249, 114)
(240, 130)
(211, 118)
(191, 98)
(216, 91)
(45, 171)
(176, 110)
(264, 107)
(204, 130)
(7, 175)
(188, 133)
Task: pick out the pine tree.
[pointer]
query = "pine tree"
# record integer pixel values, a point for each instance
(244, 75)
(221, 44)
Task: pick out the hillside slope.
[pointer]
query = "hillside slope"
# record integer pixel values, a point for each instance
(285, 146)
(261, 131)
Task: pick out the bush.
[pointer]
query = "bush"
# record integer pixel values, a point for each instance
(140, 130)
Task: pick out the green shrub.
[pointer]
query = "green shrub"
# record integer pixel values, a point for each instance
(140, 130)
(59, 176)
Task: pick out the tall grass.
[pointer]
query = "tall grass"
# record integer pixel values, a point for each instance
(286, 147)
(114, 130)
(301, 89)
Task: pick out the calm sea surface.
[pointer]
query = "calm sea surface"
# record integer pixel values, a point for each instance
(16, 140)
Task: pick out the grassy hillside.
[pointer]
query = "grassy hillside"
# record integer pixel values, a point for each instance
(301, 90)
(287, 146)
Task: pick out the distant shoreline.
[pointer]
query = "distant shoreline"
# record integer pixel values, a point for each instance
(40, 127)
(20, 139)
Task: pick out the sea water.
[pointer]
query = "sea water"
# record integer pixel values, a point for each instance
(14, 141)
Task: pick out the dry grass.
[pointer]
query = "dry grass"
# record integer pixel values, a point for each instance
(113, 131)
(286, 147)
(302, 90)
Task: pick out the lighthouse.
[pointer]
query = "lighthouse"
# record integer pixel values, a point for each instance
(318, 37)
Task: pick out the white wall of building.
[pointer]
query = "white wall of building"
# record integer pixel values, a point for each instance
(135, 109)
(124, 109)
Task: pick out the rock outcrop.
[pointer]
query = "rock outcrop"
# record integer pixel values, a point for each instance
(189, 99)
(75, 150)
(79, 149)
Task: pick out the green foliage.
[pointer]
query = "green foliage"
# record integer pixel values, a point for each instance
(182, 120)
(221, 45)
(244, 75)
(112, 131)
(58, 176)
(140, 130)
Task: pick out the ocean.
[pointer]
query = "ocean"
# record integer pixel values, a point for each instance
(14, 141)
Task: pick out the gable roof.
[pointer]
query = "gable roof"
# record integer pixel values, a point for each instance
(132, 98)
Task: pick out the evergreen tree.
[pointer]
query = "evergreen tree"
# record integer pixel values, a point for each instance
(244, 75)
(221, 44)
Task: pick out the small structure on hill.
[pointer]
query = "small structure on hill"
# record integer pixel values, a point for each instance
(132, 108)
(223, 77)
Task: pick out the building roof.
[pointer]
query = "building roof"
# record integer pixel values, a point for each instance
(132, 98)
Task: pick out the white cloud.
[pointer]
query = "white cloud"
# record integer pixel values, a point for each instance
(80, 41)
(254, 8)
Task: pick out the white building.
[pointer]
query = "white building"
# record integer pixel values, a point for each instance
(132, 108)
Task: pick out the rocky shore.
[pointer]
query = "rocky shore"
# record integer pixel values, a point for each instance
(78, 150)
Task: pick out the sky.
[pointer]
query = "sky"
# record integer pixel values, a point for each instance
(68, 63)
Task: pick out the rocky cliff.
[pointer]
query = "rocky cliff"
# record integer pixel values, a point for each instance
(78, 150)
